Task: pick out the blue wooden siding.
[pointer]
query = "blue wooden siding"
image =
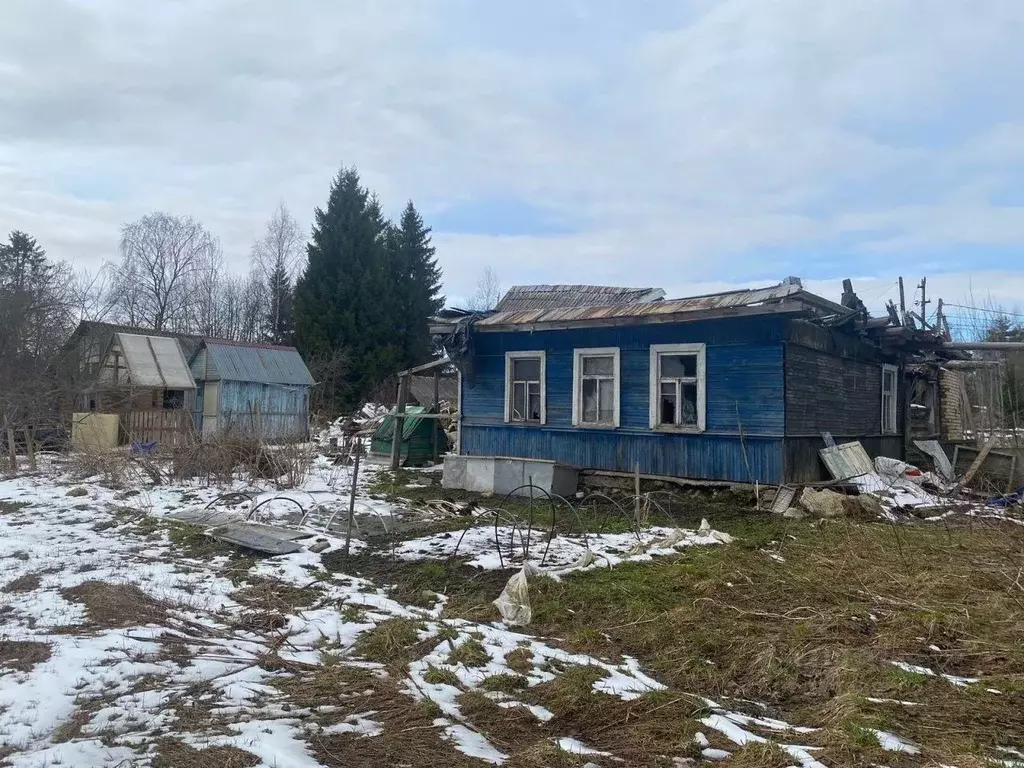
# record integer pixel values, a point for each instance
(283, 410)
(745, 391)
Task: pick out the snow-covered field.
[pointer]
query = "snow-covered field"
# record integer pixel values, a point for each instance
(125, 641)
(116, 637)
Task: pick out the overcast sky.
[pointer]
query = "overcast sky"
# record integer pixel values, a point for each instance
(687, 144)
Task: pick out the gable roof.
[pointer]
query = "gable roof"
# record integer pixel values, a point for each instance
(154, 362)
(104, 331)
(259, 363)
(522, 298)
(776, 298)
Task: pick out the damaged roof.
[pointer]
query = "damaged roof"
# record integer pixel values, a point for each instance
(785, 296)
(155, 362)
(523, 298)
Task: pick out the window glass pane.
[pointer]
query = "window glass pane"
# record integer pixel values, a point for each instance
(518, 402)
(667, 407)
(606, 413)
(598, 366)
(526, 369)
(533, 402)
(689, 406)
(887, 381)
(678, 366)
(590, 401)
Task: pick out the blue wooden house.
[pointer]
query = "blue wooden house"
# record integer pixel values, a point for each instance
(734, 387)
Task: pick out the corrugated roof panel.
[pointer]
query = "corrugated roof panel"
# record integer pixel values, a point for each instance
(260, 364)
(538, 297)
(155, 362)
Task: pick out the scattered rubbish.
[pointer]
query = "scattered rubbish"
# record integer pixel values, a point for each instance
(514, 601)
(783, 500)
(272, 539)
(943, 467)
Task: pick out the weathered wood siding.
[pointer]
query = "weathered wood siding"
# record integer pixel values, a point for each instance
(745, 394)
(828, 392)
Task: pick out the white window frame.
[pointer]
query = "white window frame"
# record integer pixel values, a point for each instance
(509, 357)
(577, 386)
(894, 404)
(657, 350)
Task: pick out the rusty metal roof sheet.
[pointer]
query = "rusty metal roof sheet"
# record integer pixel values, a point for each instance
(743, 298)
(522, 298)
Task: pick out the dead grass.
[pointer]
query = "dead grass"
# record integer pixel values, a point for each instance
(110, 605)
(811, 637)
(11, 507)
(171, 753)
(391, 642)
(277, 596)
(27, 583)
(22, 655)
(469, 652)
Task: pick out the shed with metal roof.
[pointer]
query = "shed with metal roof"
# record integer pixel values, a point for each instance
(251, 390)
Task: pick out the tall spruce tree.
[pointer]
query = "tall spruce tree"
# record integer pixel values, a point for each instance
(343, 300)
(280, 317)
(417, 283)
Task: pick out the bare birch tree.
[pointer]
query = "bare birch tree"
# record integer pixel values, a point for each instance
(160, 258)
(488, 291)
(276, 258)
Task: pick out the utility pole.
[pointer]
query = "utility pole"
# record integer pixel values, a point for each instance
(903, 303)
(924, 302)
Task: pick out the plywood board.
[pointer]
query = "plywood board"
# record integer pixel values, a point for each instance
(847, 460)
(263, 538)
(94, 431)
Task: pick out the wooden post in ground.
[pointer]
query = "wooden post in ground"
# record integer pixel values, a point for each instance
(636, 493)
(903, 304)
(12, 450)
(437, 410)
(30, 449)
(396, 438)
(352, 499)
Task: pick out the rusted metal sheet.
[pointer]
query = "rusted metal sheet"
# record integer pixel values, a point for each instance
(732, 299)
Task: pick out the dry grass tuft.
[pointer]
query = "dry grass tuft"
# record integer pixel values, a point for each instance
(27, 583)
(390, 642)
(22, 655)
(760, 756)
(116, 605)
(520, 660)
(469, 652)
(171, 753)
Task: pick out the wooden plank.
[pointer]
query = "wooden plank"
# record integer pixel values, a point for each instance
(207, 518)
(976, 464)
(847, 461)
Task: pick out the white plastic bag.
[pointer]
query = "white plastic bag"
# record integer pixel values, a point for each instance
(706, 530)
(514, 601)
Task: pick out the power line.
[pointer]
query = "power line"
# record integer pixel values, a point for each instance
(984, 309)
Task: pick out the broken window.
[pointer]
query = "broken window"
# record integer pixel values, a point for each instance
(595, 387)
(677, 386)
(525, 387)
(889, 389)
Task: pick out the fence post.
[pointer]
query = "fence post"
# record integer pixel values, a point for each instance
(396, 438)
(352, 498)
(12, 450)
(30, 449)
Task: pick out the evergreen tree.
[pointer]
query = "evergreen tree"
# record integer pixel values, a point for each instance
(280, 317)
(417, 284)
(343, 300)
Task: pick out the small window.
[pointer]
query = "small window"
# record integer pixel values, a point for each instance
(524, 387)
(890, 379)
(677, 387)
(174, 399)
(596, 387)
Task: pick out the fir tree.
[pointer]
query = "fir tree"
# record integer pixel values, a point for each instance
(280, 318)
(417, 283)
(343, 301)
